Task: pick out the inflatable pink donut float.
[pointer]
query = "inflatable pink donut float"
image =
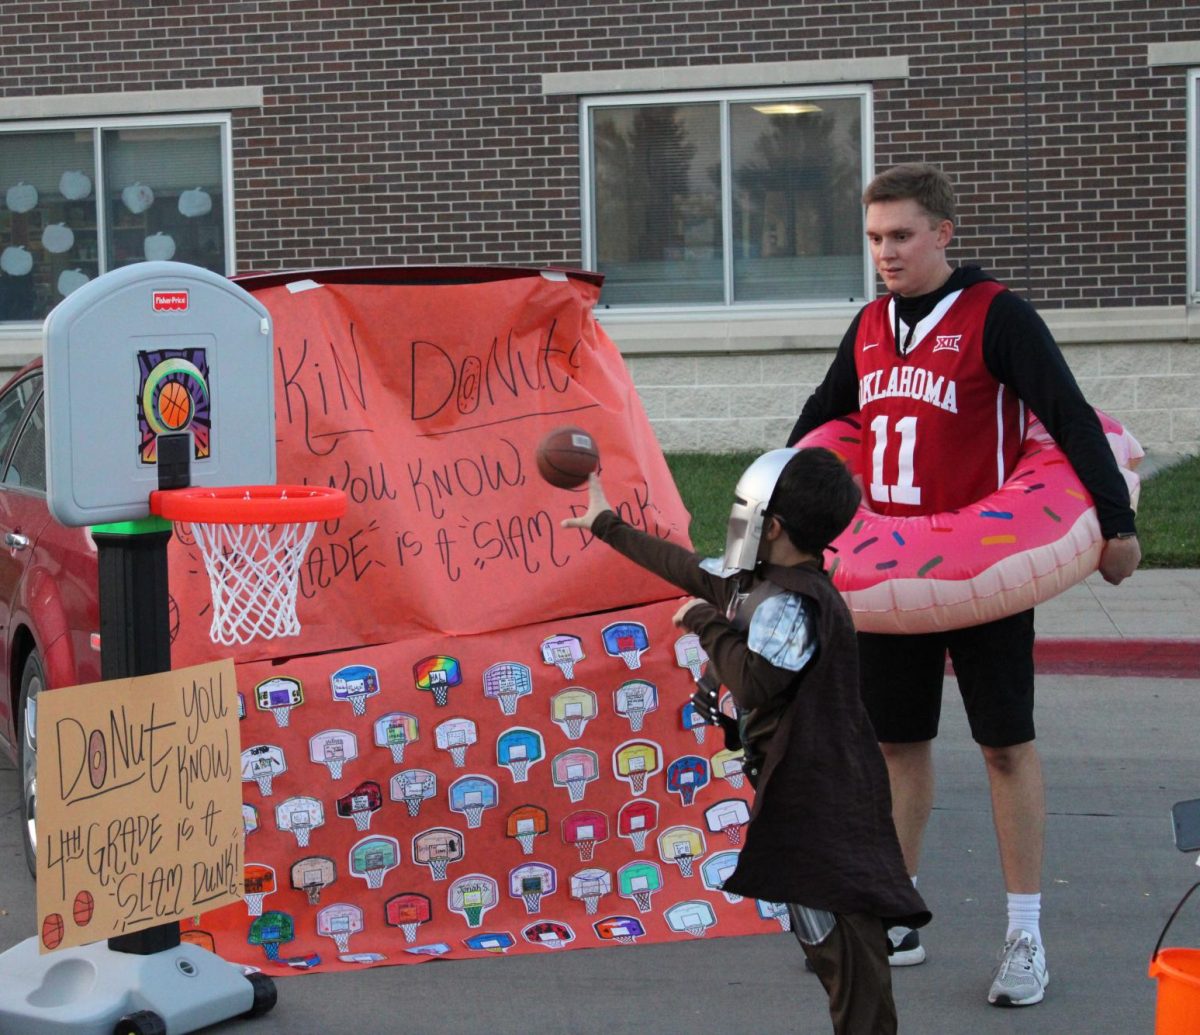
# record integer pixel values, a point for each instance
(1032, 538)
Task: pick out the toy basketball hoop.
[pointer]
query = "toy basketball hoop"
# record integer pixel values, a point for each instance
(253, 539)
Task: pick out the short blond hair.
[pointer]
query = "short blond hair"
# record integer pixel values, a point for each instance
(925, 184)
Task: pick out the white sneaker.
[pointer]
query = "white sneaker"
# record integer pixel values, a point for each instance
(1022, 977)
(906, 947)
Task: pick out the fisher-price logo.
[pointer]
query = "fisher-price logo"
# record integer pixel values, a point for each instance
(170, 301)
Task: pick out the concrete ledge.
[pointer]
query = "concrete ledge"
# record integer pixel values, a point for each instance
(130, 102)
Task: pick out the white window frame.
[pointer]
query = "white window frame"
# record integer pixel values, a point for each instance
(723, 98)
(97, 126)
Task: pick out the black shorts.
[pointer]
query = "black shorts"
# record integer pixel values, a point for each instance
(900, 677)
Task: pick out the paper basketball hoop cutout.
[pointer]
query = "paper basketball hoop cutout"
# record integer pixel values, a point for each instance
(517, 748)
(333, 749)
(312, 875)
(507, 682)
(408, 911)
(572, 709)
(412, 786)
(301, 815)
(470, 795)
(258, 879)
(566, 456)
(492, 941)
(360, 804)
(355, 683)
(564, 650)
(690, 655)
(695, 917)
(636, 819)
(249, 819)
(525, 823)
(339, 921)
(681, 845)
(690, 719)
(395, 731)
(716, 869)
(728, 816)
(455, 736)
(623, 929)
(373, 857)
(585, 829)
(472, 896)
(574, 769)
(530, 882)
(437, 674)
(549, 934)
(279, 695)
(635, 761)
(727, 765)
(590, 886)
(687, 775)
(272, 930)
(437, 848)
(777, 911)
(639, 881)
(203, 939)
(627, 641)
(634, 700)
(262, 763)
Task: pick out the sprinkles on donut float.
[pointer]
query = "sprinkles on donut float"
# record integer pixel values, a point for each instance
(1031, 539)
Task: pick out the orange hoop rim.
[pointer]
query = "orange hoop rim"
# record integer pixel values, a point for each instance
(248, 504)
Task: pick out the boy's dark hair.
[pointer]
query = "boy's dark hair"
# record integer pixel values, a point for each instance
(814, 498)
(925, 184)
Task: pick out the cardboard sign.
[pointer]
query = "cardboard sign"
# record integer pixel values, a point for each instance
(139, 803)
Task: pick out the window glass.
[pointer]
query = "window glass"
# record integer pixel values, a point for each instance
(47, 219)
(164, 195)
(657, 176)
(12, 407)
(27, 468)
(797, 213)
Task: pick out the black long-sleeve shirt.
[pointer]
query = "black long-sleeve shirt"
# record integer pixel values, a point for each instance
(1021, 353)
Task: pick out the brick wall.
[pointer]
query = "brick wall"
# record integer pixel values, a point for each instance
(417, 132)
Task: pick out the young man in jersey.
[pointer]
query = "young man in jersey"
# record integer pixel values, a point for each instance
(945, 370)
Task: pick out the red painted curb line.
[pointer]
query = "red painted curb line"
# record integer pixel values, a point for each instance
(1167, 659)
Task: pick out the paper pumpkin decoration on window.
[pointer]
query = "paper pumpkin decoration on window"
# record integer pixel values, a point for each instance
(58, 238)
(159, 247)
(74, 185)
(137, 197)
(71, 280)
(22, 197)
(16, 261)
(196, 202)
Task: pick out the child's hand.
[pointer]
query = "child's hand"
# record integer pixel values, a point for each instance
(684, 609)
(597, 505)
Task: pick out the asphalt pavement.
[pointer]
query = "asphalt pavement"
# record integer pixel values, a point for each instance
(1119, 731)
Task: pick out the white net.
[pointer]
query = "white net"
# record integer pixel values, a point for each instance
(359, 703)
(642, 898)
(735, 777)
(591, 903)
(264, 783)
(587, 848)
(632, 658)
(637, 780)
(342, 940)
(335, 767)
(520, 769)
(733, 831)
(699, 733)
(413, 801)
(625, 939)
(362, 819)
(785, 920)
(253, 572)
(566, 665)
(474, 814)
(437, 863)
(575, 787)
(375, 876)
(635, 713)
(508, 704)
(254, 903)
(458, 752)
(526, 842)
(410, 932)
(638, 837)
(684, 862)
(695, 930)
(282, 715)
(397, 752)
(301, 835)
(441, 696)
(575, 726)
(533, 901)
(313, 891)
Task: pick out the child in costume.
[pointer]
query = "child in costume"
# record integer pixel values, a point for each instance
(780, 638)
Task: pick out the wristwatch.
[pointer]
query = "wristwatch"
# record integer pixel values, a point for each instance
(1124, 535)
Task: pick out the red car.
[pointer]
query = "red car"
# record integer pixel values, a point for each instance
(49, 588)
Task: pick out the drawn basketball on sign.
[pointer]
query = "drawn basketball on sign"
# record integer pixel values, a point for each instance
(173, 396)
(572, 709)
(525, 823)
(412, 786)
(249, 819)
(517, 748)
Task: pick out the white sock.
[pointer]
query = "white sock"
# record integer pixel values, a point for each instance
(1024, 914)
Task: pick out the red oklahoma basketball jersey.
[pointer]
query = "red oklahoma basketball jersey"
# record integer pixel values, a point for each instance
(939, 432)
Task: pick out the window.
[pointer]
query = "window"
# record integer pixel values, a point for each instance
(84, 197)
(12, 408)
(696, 199)
(27, 465)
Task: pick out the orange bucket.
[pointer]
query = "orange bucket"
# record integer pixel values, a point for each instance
(1178, 975)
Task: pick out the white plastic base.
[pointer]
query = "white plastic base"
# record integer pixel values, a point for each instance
(87, 990)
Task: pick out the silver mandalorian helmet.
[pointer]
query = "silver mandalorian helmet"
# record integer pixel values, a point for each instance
(752, 495)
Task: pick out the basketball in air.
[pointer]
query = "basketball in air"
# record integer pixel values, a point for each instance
(566, 456)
